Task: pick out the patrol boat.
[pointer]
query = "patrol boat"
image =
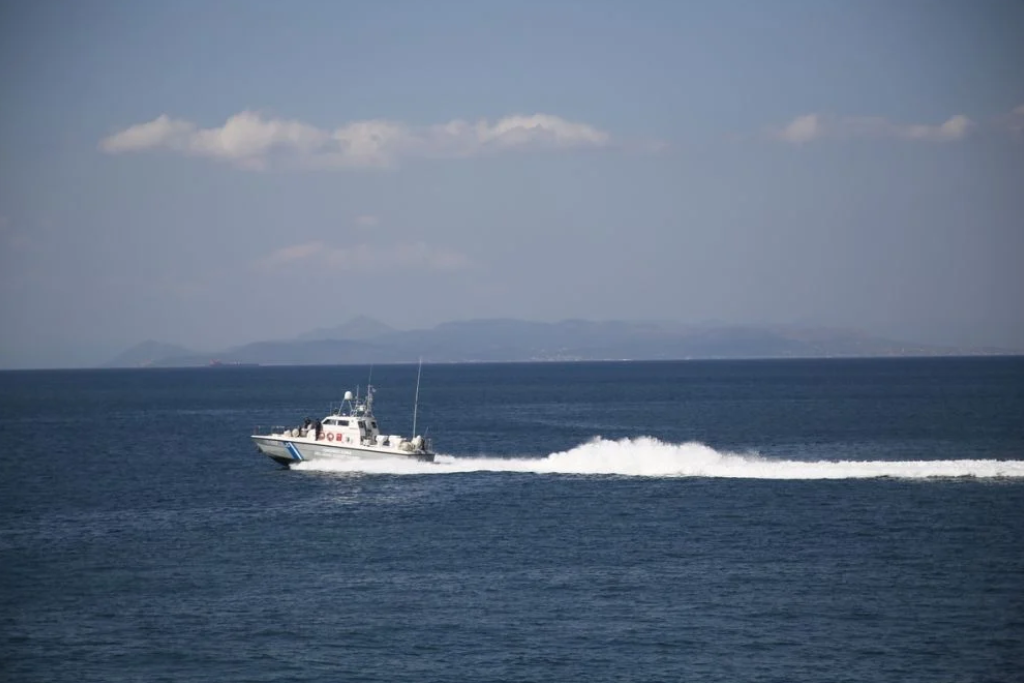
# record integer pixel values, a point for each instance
(349, 433)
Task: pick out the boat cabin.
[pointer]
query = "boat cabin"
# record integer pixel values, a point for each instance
(351, 426)
(343, 429)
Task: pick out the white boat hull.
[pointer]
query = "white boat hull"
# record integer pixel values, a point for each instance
(288, 450)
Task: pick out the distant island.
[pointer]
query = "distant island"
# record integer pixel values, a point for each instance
(364, 340)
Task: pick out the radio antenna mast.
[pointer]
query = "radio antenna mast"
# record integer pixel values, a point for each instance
(416, 401)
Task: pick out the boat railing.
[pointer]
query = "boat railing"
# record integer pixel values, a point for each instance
(266, 431)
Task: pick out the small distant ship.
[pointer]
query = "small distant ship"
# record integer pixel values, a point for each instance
(231, 364)
(351, 432)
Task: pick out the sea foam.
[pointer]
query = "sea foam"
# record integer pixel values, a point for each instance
(649, 457)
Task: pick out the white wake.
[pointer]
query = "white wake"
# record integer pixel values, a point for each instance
(649, 457)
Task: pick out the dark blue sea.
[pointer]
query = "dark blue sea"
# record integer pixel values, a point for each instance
(827, 520)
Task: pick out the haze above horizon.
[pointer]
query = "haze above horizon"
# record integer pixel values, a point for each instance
(214, 173)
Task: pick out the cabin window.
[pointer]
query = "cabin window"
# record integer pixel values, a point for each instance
(373, 424)
(343, 423)
(329, 422)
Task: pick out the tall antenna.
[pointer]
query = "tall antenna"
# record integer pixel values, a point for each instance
(416, 401)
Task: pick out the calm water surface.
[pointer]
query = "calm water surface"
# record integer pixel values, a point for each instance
(782, 522)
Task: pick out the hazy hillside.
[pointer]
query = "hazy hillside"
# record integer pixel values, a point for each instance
(360, 327)
(370, 341)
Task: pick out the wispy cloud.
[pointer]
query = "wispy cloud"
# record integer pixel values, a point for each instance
(363, 257)
(811, 127)
(12, 238)
(249, 140)
(1014, 122)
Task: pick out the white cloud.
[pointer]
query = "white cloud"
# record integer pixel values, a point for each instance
(13, 238)
(954, 128)
(162, 131)
(249, 140)
(513, 131)
(297, 252)
(1014, 122)
(801, 129)
(246, 137)
(369, 143)
(809, 127)
(366, 257)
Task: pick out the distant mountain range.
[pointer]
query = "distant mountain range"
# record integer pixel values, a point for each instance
(365, 340)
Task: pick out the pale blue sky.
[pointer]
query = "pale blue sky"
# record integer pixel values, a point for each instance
(852, 164)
